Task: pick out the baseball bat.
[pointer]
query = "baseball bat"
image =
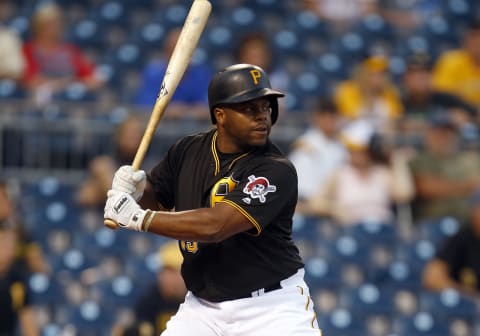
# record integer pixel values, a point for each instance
(177, 65)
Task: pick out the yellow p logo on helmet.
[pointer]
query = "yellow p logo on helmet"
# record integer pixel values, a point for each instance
(256, 74)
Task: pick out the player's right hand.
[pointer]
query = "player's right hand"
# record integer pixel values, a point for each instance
(129, 181)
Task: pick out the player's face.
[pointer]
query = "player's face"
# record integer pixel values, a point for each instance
(247, 124)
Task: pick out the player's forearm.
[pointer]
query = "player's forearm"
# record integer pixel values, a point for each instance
(196, 225)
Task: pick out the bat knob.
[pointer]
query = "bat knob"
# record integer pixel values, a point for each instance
(110, 224)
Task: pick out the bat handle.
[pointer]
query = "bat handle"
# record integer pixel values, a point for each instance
(111, 224)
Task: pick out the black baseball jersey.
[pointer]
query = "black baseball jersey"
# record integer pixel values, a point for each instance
(14, 296)
(462, 255)
(261, 184)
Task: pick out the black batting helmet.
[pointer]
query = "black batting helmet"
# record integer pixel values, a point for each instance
(240, 83)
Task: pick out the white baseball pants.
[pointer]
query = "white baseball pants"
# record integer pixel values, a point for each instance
(284, 312)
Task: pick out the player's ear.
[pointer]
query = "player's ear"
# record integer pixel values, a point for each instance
(219, 115)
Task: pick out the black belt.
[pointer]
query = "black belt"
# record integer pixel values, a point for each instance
(219, 298)
(261, 291)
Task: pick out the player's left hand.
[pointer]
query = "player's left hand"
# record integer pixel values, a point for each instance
(122, 208)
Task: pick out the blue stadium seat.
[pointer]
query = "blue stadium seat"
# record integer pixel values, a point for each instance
(369, 299)
(287, 42)
(374, 233)
(342, 323)
(322, 273)
(242, 20)
(90, 318)
(112, 12)
(45, 289)
(438, 230)
(87, 33)
(417, 253)
(122, 290)
(450, 304)
(74, 261)
(348, 249)
(10, 89)
(398, 274)
(422, 324)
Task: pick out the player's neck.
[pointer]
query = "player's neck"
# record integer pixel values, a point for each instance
(225, 146)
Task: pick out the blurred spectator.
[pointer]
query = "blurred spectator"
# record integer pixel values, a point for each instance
(317, 153)
(364, 188)
(161, 300)
(458, 71)
(370, 95)
(421, 100)
(12, 62)
(30, 256)
(94, 189)
(190, 97)
(14, 294)
(457, 263)
(51, 63)
(445, 177)
(341, 13)
(254, 48)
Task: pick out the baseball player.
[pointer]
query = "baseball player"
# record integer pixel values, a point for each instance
(234, 195)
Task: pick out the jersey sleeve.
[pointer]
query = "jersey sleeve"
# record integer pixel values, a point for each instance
(162, 179)
(264, 192)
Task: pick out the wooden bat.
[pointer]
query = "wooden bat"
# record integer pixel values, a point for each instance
(177, 65)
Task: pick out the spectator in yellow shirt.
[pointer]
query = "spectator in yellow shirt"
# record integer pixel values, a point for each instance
(370, 95)
(458, 71)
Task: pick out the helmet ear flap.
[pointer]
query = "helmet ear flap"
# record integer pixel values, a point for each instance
(274, 107)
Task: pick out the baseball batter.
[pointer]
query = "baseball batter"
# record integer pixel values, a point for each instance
(234, 195)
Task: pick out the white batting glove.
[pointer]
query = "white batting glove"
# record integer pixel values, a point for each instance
(129, 181)
(122, 208)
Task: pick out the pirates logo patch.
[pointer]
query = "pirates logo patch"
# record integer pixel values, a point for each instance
(258, 187)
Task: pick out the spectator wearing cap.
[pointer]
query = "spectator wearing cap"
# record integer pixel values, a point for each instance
(366, 186)
(318, 152)
(421, 99)
(458, 71)
(457, 263)
(370, 95)
(161, 300)
(444, 175)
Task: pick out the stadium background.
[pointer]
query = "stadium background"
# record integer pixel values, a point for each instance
(46, 151)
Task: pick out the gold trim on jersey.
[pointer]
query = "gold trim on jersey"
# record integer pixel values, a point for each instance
(214, 153)
(246, 214)
(17, 294)
(217, 159)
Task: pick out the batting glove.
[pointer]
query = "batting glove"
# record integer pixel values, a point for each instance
(129, 181)
(122, 208)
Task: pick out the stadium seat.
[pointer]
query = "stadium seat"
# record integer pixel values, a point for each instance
(45, 290)
(122, 290)
(399, 274)
(369, 299)
(449, 304)
(321, 272)
(90, 318)
(374, 233)
(438, 230)
(422, 324)
(417, 253)
(87, 33)
(341, 322)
